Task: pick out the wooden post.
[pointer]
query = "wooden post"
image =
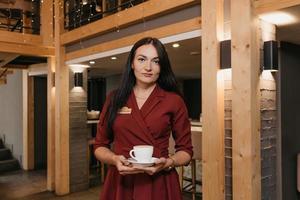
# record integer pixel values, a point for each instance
(212, 101)
(47, 35)
(30, 136)
(28, 120)
(245, 102)
(62, 185)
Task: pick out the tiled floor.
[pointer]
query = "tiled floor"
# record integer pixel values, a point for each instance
(32, 186)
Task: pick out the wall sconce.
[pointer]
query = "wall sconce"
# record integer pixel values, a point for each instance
(53, 79)
(225, 54)
(271, 55)
(78, 79)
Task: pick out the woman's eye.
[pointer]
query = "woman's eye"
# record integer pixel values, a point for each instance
(156, 62)
(141, 59)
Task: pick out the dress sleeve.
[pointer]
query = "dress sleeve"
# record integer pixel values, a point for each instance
(181, 128)
(101, 139)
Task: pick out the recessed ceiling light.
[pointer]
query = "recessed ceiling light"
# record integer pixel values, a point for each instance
(92, 62)
(278, 18)
(113, 58)
(176, 45)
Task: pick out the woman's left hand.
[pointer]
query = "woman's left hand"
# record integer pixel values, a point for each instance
(160, 164)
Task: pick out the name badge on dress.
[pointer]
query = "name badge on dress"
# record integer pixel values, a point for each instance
(124, 110)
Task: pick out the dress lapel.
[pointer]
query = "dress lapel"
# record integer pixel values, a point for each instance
(154, 99)
(139, 115)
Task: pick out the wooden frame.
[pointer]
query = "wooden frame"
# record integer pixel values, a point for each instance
(20, 38)
(62, 169)
(213, 175)
(28, 121)
(180, 27)
(245, 102)
(47, 36)
(263, 6)
(27, 49)
(149, 9)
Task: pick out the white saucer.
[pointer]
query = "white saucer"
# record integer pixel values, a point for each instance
(142, 164)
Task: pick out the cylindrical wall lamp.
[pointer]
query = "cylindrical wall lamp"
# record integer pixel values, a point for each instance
(271, 55)
(78, 79)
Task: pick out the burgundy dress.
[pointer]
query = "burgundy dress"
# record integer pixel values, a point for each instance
(162, 113)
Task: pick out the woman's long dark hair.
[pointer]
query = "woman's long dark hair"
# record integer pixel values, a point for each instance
(166, 80)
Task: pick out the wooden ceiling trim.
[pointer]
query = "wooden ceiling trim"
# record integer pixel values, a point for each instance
(165, 31)
(149, 9)
(3, 81)
(263, 6)
(27, 49)
(20, 38)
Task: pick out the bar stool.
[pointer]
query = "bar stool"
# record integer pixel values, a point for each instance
(100, 167)
(197, 143)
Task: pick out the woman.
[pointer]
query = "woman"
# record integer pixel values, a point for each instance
(145, 109)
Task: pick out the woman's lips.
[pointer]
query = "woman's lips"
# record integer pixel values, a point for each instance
(147, 75)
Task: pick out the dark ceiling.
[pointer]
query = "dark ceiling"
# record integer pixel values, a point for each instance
(28, 60)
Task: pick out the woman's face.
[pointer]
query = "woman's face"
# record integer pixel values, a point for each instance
(146, 65)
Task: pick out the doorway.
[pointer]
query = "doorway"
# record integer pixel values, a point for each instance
(40, 122)
(290, 117)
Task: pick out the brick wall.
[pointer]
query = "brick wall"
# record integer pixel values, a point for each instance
(78, 135)
(268, 135)
(228, 133)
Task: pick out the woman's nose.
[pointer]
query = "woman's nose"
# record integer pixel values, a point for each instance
(148, 66)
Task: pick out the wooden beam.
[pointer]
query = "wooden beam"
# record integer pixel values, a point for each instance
(149, 9)
(47, 34)
(3, 81)
(50, 124)
(213, 175)
(47, 22)
(5, 72)
(12, 66)
(245, 102)
(20, 38)
(27, 49)
(30, 114)
(62, 156)
(25, 118)
(180, 27)
(263, 6)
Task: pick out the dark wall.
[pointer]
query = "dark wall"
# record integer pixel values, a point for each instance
(96, 93)
(290, 117)
(40, 122)
(192, 96)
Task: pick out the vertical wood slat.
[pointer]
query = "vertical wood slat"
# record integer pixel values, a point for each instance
(47, 35)
(213, 101)
(26, 109)
(245, 102)
(51, 125)
(62, 170)
(47, 22)
(30, 116)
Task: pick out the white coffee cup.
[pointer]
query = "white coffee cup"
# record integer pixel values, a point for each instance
(142, 153)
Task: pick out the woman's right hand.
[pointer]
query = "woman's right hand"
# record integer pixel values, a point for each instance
(124, 167)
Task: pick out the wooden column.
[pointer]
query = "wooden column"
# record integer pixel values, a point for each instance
(28, 122)
(212, 101)
(245, 102)
(61, 107)
(47, 35)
